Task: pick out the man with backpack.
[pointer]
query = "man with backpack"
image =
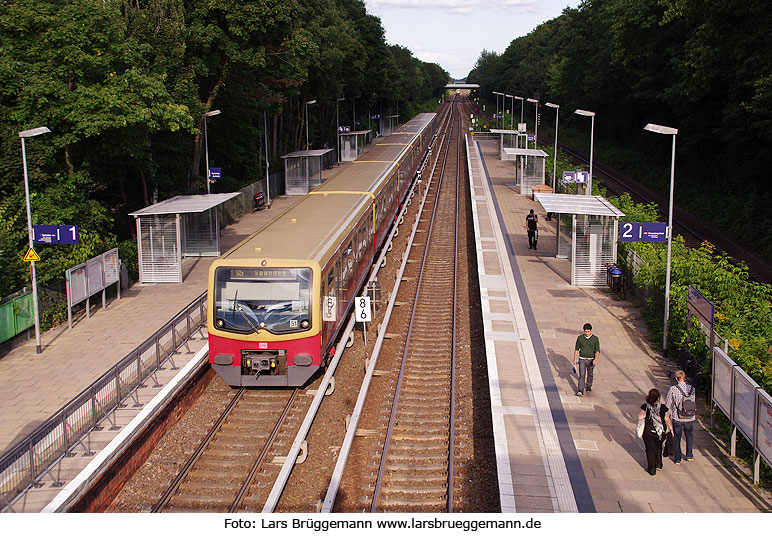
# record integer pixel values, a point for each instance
(682, 402)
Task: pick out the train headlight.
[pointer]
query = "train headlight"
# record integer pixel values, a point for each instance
(220, 323)
(304, 324)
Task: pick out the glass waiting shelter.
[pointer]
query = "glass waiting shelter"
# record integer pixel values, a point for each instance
(508, 138)
(388, 123)
(352, 144)
(529, 167)
(303, 170)
(587, 231)
(186, 225)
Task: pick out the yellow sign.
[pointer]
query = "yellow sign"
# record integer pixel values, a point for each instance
(31, 256)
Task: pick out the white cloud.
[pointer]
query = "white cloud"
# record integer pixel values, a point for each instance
(459, 7)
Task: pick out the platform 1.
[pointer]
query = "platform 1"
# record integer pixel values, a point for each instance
(556, 451)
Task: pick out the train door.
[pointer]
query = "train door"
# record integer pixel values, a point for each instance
(347, 271)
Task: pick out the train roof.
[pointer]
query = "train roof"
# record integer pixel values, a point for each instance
(311, 227)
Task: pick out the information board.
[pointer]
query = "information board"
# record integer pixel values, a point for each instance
(78, 284)
(764, 426)
(94, 275)
(744, 403)
(722, 381)
(111, 265)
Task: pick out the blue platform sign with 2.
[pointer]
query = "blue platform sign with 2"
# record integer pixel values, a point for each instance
(56, 234)
(643, 232)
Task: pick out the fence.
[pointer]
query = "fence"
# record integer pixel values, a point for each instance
(26, 463)
(16, 314)
(244, 202)
(748, 407)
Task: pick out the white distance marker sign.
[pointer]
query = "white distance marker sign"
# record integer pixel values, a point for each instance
(362, 309)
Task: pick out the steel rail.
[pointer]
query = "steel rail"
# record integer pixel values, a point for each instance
(183, 473)
(332, 490)
(455, 304)
(406, 350)
(263, 452)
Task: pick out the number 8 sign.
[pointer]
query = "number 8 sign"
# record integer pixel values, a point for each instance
(362, 309)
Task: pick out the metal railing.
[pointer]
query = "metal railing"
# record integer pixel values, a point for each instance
(28, 462)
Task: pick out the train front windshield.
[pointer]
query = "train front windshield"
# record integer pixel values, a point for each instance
(251, 300)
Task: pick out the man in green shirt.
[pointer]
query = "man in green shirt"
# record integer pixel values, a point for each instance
(586, 354)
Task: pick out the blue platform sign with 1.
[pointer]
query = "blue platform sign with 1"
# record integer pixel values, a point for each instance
(643, 232)
(56, 234)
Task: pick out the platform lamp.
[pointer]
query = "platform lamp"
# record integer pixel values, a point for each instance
(337, 122)
(501, 118)
(308, 103)
(206, 147)
(535, 120)
(662, 130)
(522, 100)
(555, 156)
(512, 110)
(36, 309)
(592, 140)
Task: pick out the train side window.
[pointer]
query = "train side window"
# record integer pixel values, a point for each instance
(348, 264)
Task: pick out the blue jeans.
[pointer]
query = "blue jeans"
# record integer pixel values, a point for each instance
(585, 370)
(687, 428)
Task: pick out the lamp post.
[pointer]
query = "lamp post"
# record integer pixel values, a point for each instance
(512, 110)
(497, 94)
(555, 156)
(535, 120)
(308, 103)
(522, 101)
(36, 310)
(662, 130)
(592, 137)
(267, 163)
(337, 123)
(206, 146)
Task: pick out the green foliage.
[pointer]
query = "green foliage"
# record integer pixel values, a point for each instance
(123, 86)
(743, 309)
(702, 67)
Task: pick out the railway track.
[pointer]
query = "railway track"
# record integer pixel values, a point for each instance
(401, 456)
(416, 470)
(233, 465)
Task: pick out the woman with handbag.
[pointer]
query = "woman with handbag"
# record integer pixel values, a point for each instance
(656, 424)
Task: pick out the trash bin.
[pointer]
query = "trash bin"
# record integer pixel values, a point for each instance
(615, 278)
(259, 201)
(124, 277)
(609, 267)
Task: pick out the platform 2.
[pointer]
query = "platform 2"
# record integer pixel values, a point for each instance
(556, 451)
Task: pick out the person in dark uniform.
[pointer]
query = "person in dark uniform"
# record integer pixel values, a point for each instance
(532, 227)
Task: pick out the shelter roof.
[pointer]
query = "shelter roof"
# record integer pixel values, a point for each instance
(505, 131)
(525, 151)
(355, 132)
(577, 204)
(308, 153)
(186, 204)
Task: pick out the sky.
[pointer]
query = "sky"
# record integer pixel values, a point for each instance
(453, 33)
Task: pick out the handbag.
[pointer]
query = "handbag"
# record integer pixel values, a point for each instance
(639, 428)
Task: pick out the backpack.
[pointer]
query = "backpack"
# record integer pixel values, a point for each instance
(688, 407)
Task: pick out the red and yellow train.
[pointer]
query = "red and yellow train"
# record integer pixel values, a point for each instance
(277, 300)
